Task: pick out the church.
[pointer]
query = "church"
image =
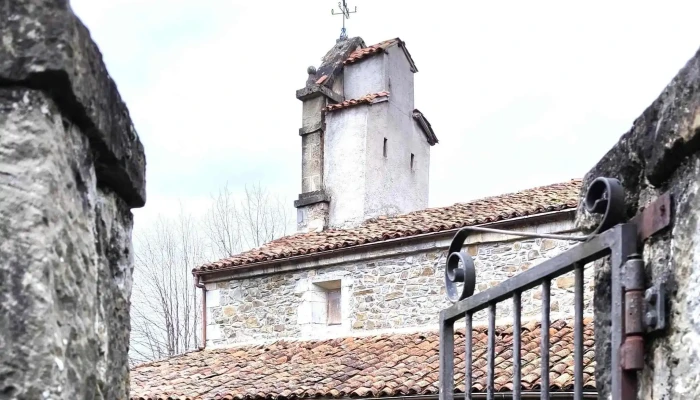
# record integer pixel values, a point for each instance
(348, 306)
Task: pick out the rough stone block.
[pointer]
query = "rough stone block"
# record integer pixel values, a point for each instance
(565, 282)
(46, 47)
(229, 311)
(65, 255)
(548, 244)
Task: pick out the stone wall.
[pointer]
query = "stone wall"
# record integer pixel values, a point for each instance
(659, 154)
(395, 292)
(71, 167)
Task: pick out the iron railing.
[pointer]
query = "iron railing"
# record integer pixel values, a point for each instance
(611, 238)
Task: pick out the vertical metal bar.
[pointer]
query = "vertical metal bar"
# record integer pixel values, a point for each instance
(491, 352)
(624, 383)
(447, 355)
(544, 346)
(468, 358)
(578, 332)
(516, 345)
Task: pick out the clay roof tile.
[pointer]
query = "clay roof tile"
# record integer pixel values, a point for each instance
(560, 196)
(315, 369)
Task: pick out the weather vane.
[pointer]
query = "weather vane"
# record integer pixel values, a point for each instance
(345, 12)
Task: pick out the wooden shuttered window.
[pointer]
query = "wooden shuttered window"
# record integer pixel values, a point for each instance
(334, 315)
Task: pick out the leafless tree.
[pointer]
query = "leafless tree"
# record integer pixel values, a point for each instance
(165, 311)
(251, 221)
(165, 315)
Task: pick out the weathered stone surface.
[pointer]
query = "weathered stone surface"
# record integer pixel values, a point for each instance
(566, 282)
(65, 256)
(332, 63)
(45, 46)
(229, 311)
(660, 153)
(388, 292)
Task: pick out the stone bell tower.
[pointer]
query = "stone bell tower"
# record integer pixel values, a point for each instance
(365, 148)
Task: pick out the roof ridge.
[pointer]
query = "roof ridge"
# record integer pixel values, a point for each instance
(516, 192)
(481, 199)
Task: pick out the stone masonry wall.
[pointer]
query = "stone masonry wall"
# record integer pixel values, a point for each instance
(395, 292)
(71, 167)
(661, 153)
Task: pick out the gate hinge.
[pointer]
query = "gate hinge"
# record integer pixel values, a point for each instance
(644, 312)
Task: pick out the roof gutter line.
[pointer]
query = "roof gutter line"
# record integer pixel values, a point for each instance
(496, 396)
(384, 242)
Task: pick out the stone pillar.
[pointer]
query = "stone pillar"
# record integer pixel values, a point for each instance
(312, 205)
(661, 153)
(323, 86)
(71, 168)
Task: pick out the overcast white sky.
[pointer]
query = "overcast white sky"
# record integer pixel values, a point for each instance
(520, 93)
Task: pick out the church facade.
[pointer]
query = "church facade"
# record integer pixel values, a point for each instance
(349, 305)
(386, 274)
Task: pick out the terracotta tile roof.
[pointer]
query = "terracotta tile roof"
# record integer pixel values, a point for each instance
(378, 48)
(366, 99)
(370, 50)
(374, 366)
(539, 200)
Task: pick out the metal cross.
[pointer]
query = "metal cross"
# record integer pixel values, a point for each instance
(345, 12)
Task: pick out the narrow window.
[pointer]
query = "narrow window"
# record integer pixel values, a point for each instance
(334, 316)
(384, 147)
(412, 159)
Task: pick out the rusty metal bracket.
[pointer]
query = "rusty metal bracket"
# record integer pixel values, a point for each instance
(655, 308)
(655, 217)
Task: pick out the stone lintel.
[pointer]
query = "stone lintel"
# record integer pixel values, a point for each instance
(309, 198)
(310, 92)
(60, 59)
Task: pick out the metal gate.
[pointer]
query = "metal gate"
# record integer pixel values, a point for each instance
(634, 310)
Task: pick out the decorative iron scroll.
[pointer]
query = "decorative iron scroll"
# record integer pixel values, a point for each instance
(605, 196)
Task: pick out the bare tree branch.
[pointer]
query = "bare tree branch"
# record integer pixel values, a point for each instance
(234, 226)
(166, 312)
(165, 315)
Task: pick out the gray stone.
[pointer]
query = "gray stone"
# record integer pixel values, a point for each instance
(65, 258)
(46, 47)
(403, 297)
(71, 167)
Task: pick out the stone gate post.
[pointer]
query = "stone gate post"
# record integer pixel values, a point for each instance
(659, 154)
(71, 168)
